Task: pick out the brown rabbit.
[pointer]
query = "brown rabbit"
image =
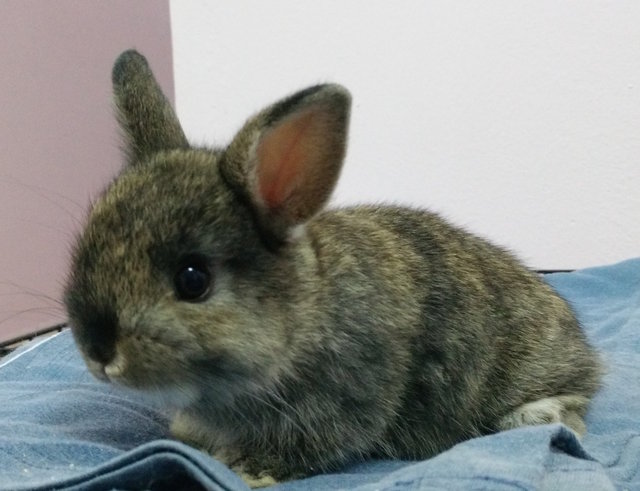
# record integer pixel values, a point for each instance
(291, 340)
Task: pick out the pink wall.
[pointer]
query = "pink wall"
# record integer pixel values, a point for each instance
(58, 140)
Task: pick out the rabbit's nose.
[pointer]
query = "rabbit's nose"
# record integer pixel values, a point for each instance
(102, 353)
(98, 330)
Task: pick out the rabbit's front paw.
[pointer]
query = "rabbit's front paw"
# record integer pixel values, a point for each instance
(260, 480)
(262, 471)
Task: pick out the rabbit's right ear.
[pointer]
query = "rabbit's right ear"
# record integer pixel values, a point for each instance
(286, 160)
(144, 113)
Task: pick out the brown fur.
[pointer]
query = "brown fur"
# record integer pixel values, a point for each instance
(325, 336)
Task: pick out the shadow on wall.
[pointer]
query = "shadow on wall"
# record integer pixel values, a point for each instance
(59, 140)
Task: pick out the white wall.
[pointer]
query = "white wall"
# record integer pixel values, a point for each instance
(519, 120)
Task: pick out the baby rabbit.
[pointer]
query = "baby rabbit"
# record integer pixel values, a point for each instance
(291, 339)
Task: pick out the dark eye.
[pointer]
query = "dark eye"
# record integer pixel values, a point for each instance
(193, 280)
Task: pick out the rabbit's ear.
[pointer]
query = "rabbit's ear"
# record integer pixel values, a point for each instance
(149, 123)
(286, 160)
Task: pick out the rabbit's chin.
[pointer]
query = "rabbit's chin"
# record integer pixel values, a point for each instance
(174, 397)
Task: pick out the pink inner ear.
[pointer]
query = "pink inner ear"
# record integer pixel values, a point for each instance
(284, 154)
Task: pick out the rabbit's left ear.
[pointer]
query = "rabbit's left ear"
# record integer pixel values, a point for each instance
(286, 160)
(144, 113)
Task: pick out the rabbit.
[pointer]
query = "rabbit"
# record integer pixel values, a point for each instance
(289, 339)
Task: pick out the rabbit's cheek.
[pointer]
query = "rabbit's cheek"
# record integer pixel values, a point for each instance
(257, 344)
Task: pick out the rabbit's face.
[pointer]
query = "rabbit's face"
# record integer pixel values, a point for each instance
(165, 289)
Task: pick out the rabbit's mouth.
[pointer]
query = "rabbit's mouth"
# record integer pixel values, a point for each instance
(214, 378)
(166, 389)
(96, 369)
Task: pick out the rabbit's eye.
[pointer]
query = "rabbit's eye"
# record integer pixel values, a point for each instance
(192, 281)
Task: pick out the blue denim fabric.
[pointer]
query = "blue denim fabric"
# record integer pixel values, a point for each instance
(60, 429)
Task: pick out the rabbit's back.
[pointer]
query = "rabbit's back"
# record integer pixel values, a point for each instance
(484, 335)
